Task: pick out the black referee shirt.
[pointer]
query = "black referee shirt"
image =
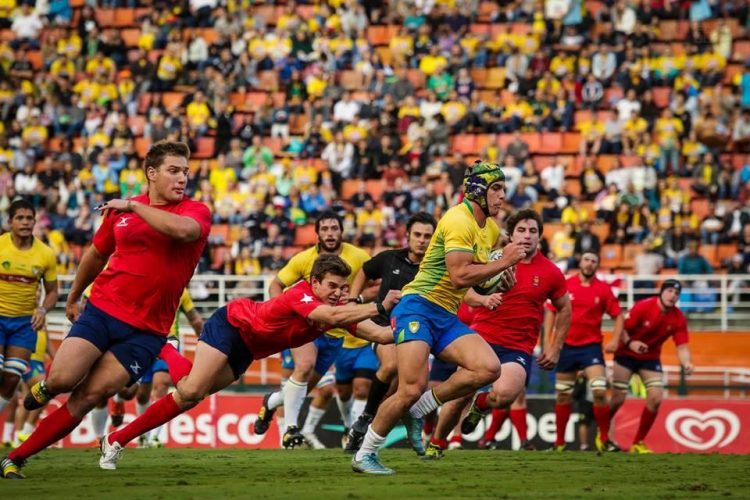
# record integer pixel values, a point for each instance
(395, 269)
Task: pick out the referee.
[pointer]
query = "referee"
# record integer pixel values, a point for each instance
(394, 269)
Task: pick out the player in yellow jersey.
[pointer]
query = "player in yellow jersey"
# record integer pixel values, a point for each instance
(156, 381)
(425, 320)
(26, 420)
(24, 262)
(311, 361)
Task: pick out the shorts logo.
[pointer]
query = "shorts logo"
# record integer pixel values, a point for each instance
(535, 281)
(136, 368)
(682, 423)
(413, 326)
(596, 361)
(521, 360)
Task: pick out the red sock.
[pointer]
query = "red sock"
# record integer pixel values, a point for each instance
(481, 401)
(456, 438)
(429, 424)
(179, 366)
(443, 443)
(562, 415)
(647, 420)
(601, 415)
(498, 417)
(157, 414)
(518, 417)
(53, 428)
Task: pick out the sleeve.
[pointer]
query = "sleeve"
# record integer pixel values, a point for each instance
(560, 285)
(50, 273)
(550, 306)
(104, 239)
(680, 334)
(633, 317)
(292, 272)
(301, 300)
(457, 235)
(200, 214)
(373, 268)
(613, 305)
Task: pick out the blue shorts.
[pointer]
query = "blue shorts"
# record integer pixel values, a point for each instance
(220, 334)
(159, 366)
(287, 361)
(17, 332)
(574, 358)
(513, 356)
(416, 318)
(360, 362)
(441, 370)
(135, 349)
(636, 365)
(329, 349)
(36, 369)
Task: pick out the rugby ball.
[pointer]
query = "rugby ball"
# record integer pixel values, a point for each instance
(502, 282)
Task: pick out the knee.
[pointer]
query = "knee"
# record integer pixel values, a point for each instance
(488, 371)
(303, 370)
(361, 389)
(563, 398)
(387, 370)
(160, 390)
(80, 403)
(600, 397)
(9, 383)
(410, 393)
(190, 393)
(57, 383)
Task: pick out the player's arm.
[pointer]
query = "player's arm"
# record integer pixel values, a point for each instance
(548, 326)
(372, 332)
(89, 268)
(474, 299)
(179, 227)
(617, 330)
(551, 354)
(51, 294)
(288, 275)
(276, 287)
(363, 288)
(358, 285)
(686, 358)
(195, 319)
(344, 315)
(465, 273)
(632, 322)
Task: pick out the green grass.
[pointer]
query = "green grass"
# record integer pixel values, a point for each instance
(189, 473)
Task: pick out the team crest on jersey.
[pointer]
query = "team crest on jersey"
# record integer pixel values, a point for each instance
(596, 300)
(6, 264)
(413, 326)
(535, 281)
(36, 270)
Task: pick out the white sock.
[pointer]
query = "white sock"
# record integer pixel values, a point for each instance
(345, 407)
(28, 428)
(117, 398)
(280, 421)
(8, 429)
(358, 407)
(140, 408)
(294, 395)
(426, 404)
(3, 403)
(156, 433)
(314, 415)
(371, 444)
(276, 399)
(99, 421)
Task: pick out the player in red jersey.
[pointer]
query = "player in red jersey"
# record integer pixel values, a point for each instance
(648, 325)
(152, 243)
(590, 299)
(245, 330)
(512, 329)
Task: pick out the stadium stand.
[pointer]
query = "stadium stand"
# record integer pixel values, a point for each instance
(627, 123)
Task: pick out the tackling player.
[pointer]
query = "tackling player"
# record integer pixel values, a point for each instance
(425, 320)
(590, 299)
(153, 243)
(513, 327)
(245, 330)
(312, 361)
(648, 325)
(394, 269)
(24, 262)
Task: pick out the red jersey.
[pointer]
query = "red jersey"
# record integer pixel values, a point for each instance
(466, 313)
(589, 304)
(147, 270)
(279, 323)
(646, 322)
(517, 322)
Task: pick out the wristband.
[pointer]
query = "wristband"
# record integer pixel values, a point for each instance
(129, 206)
(381, 308)
(42, 310)
(360, 299)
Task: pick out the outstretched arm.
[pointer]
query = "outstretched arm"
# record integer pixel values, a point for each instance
(91, 265)
(370, 331)
(179, 227)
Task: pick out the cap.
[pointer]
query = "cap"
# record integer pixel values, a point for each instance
(671, 283)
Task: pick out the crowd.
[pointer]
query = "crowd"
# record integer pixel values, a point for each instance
(296, 108)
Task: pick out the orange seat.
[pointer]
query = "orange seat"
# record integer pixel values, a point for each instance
(254, 100)
(534, 140)
(268, 80)
(571, 142)
(726, 251)
(551, 142)
(172, 100)
(351, 79)
(479, 77)
(131, 36)
(661, 96)
(417, 78)
(495, 78)
(741, 50)
(142, 144)
(304, 236)
(274, 144)
(378, 35)
(35, 58)
(136, 124)
(376, 187)
(699, 207)
(204, 148)
(710, 252)
(480, 29)
(219, 233)
(348, 188)
(463, 143)
(629, 252)
(611, 256)
(124, 18)
(105, 18)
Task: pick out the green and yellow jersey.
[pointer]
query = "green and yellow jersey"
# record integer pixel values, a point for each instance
(185, 306)
(457, 231)
(20, 274)
(300, 267)
(40, 352)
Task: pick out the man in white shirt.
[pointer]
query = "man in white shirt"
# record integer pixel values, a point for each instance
(27, 26)
(624, 17)
(346, 109)
(604, 63)
(627, 105)
(553, 178)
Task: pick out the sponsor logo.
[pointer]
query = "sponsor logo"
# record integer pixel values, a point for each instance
(397, 271)
(123, 222)
(690, 428)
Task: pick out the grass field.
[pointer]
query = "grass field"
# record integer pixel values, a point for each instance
(190, 473)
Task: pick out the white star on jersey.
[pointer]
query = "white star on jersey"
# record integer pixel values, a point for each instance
(306, 299)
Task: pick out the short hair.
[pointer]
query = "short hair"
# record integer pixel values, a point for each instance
(592, 252)
(20, 204)
(330, 264)
(421, 218)
(328, 214)
(162, 149)
(525, 214)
